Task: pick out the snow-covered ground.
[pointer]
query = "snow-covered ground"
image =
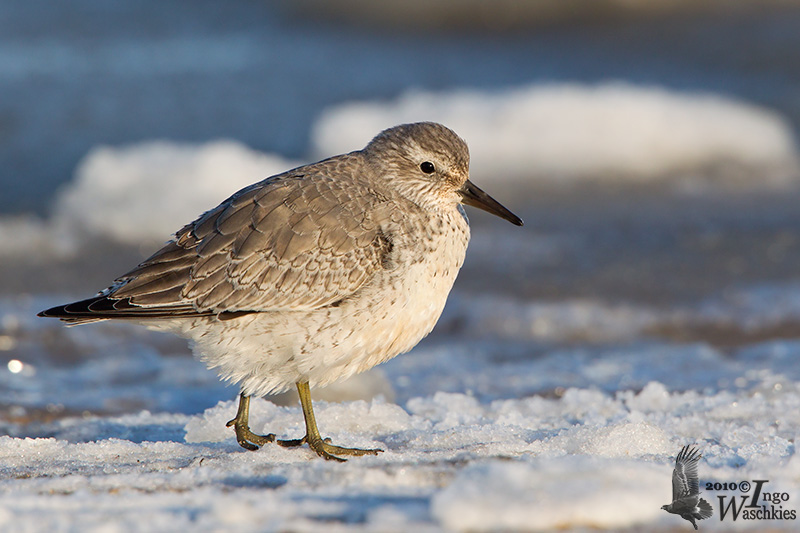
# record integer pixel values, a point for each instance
(568, 132)
(586, 458)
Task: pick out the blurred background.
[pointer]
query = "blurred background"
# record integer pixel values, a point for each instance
(650, 146)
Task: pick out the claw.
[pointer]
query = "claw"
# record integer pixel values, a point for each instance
(325, 449)
(292, 443)
(246, 438)
(328, 451)
(321, 447)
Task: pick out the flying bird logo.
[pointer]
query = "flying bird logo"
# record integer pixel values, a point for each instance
(686, 500)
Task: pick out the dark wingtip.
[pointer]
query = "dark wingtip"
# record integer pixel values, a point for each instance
(71, 310)
(102, 308)
(53, 312)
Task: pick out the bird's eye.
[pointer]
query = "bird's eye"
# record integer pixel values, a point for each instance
(427, 167)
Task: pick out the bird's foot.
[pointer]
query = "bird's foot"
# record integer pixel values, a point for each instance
(246, 438)
(326, 450)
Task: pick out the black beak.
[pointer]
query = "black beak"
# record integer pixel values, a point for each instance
(474, 196)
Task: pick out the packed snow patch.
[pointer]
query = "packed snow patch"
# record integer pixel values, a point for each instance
(147, 191)
(139, 194)
(575, 132)
(554, 493)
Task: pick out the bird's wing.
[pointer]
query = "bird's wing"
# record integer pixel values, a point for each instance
(685, 481)
(297, 241)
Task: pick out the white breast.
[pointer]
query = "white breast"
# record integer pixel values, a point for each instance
(270, 352)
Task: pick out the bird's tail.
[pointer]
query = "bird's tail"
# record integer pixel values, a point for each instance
(705, 509)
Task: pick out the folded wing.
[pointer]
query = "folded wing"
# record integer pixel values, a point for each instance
(291, 242)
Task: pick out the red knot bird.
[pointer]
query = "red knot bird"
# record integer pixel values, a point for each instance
(313, 275)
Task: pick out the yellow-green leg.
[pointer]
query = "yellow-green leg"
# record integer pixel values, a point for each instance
(246, 438)
(321, 446)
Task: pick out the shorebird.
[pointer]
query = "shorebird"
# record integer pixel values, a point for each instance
(686, 500)
(313, 275)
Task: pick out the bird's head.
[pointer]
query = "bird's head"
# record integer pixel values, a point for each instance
(429, 164)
